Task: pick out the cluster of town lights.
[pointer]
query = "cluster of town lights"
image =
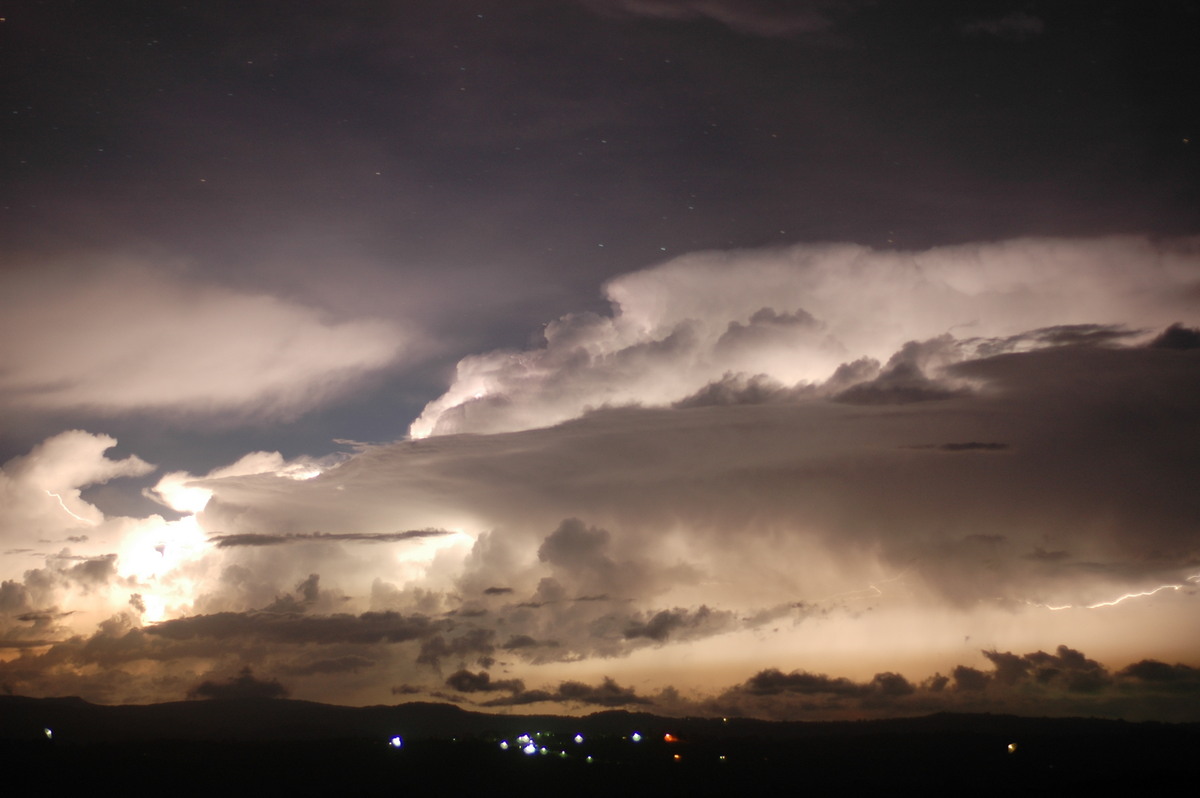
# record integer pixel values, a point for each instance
(529, 745)
(532, 744)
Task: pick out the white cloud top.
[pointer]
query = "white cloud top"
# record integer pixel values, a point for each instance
(796, 314)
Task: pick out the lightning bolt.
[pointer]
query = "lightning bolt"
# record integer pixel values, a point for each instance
(868, 592)
(1118, 600)
(67, 510)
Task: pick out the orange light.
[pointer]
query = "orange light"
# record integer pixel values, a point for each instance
(670, 738)
(677, 757)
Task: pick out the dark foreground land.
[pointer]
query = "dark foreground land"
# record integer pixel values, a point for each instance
(298, 748)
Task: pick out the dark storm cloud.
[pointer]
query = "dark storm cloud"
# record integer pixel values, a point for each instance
(772, 681)
(1065, 683)
(14, 597)
(1066, 670)
(42, 617)
(244, 685)
(473, 642)
(519, 641)
(891, 685)
(370, 627)
(22, 621)
(28, 607)
(584, 572)
(679, 624)
(1058, 335)
(102, 665)
(1181, 678)
(407, 689)
(93, 570)
(576, 547)
(606, 694)
(464, 681)
(1177, 337)
(252, 539)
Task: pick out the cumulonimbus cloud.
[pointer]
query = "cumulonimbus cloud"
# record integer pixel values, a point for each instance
(996, 448)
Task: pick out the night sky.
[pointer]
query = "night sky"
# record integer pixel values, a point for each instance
(795, 359)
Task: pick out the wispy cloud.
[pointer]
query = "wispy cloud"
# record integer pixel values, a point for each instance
(126, 337)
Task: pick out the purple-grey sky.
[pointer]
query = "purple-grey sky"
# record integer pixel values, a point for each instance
(797, 359)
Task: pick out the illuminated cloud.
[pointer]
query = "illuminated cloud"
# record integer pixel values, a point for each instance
(803, 315)
(41, 490)
(116, 339)
(941, 478)
(68, 566)
(971, 513)
(43, 517)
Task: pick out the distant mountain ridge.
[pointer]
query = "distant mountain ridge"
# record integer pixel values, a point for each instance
(74, 720)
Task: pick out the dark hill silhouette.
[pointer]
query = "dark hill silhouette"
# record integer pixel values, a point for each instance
(275, 746)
